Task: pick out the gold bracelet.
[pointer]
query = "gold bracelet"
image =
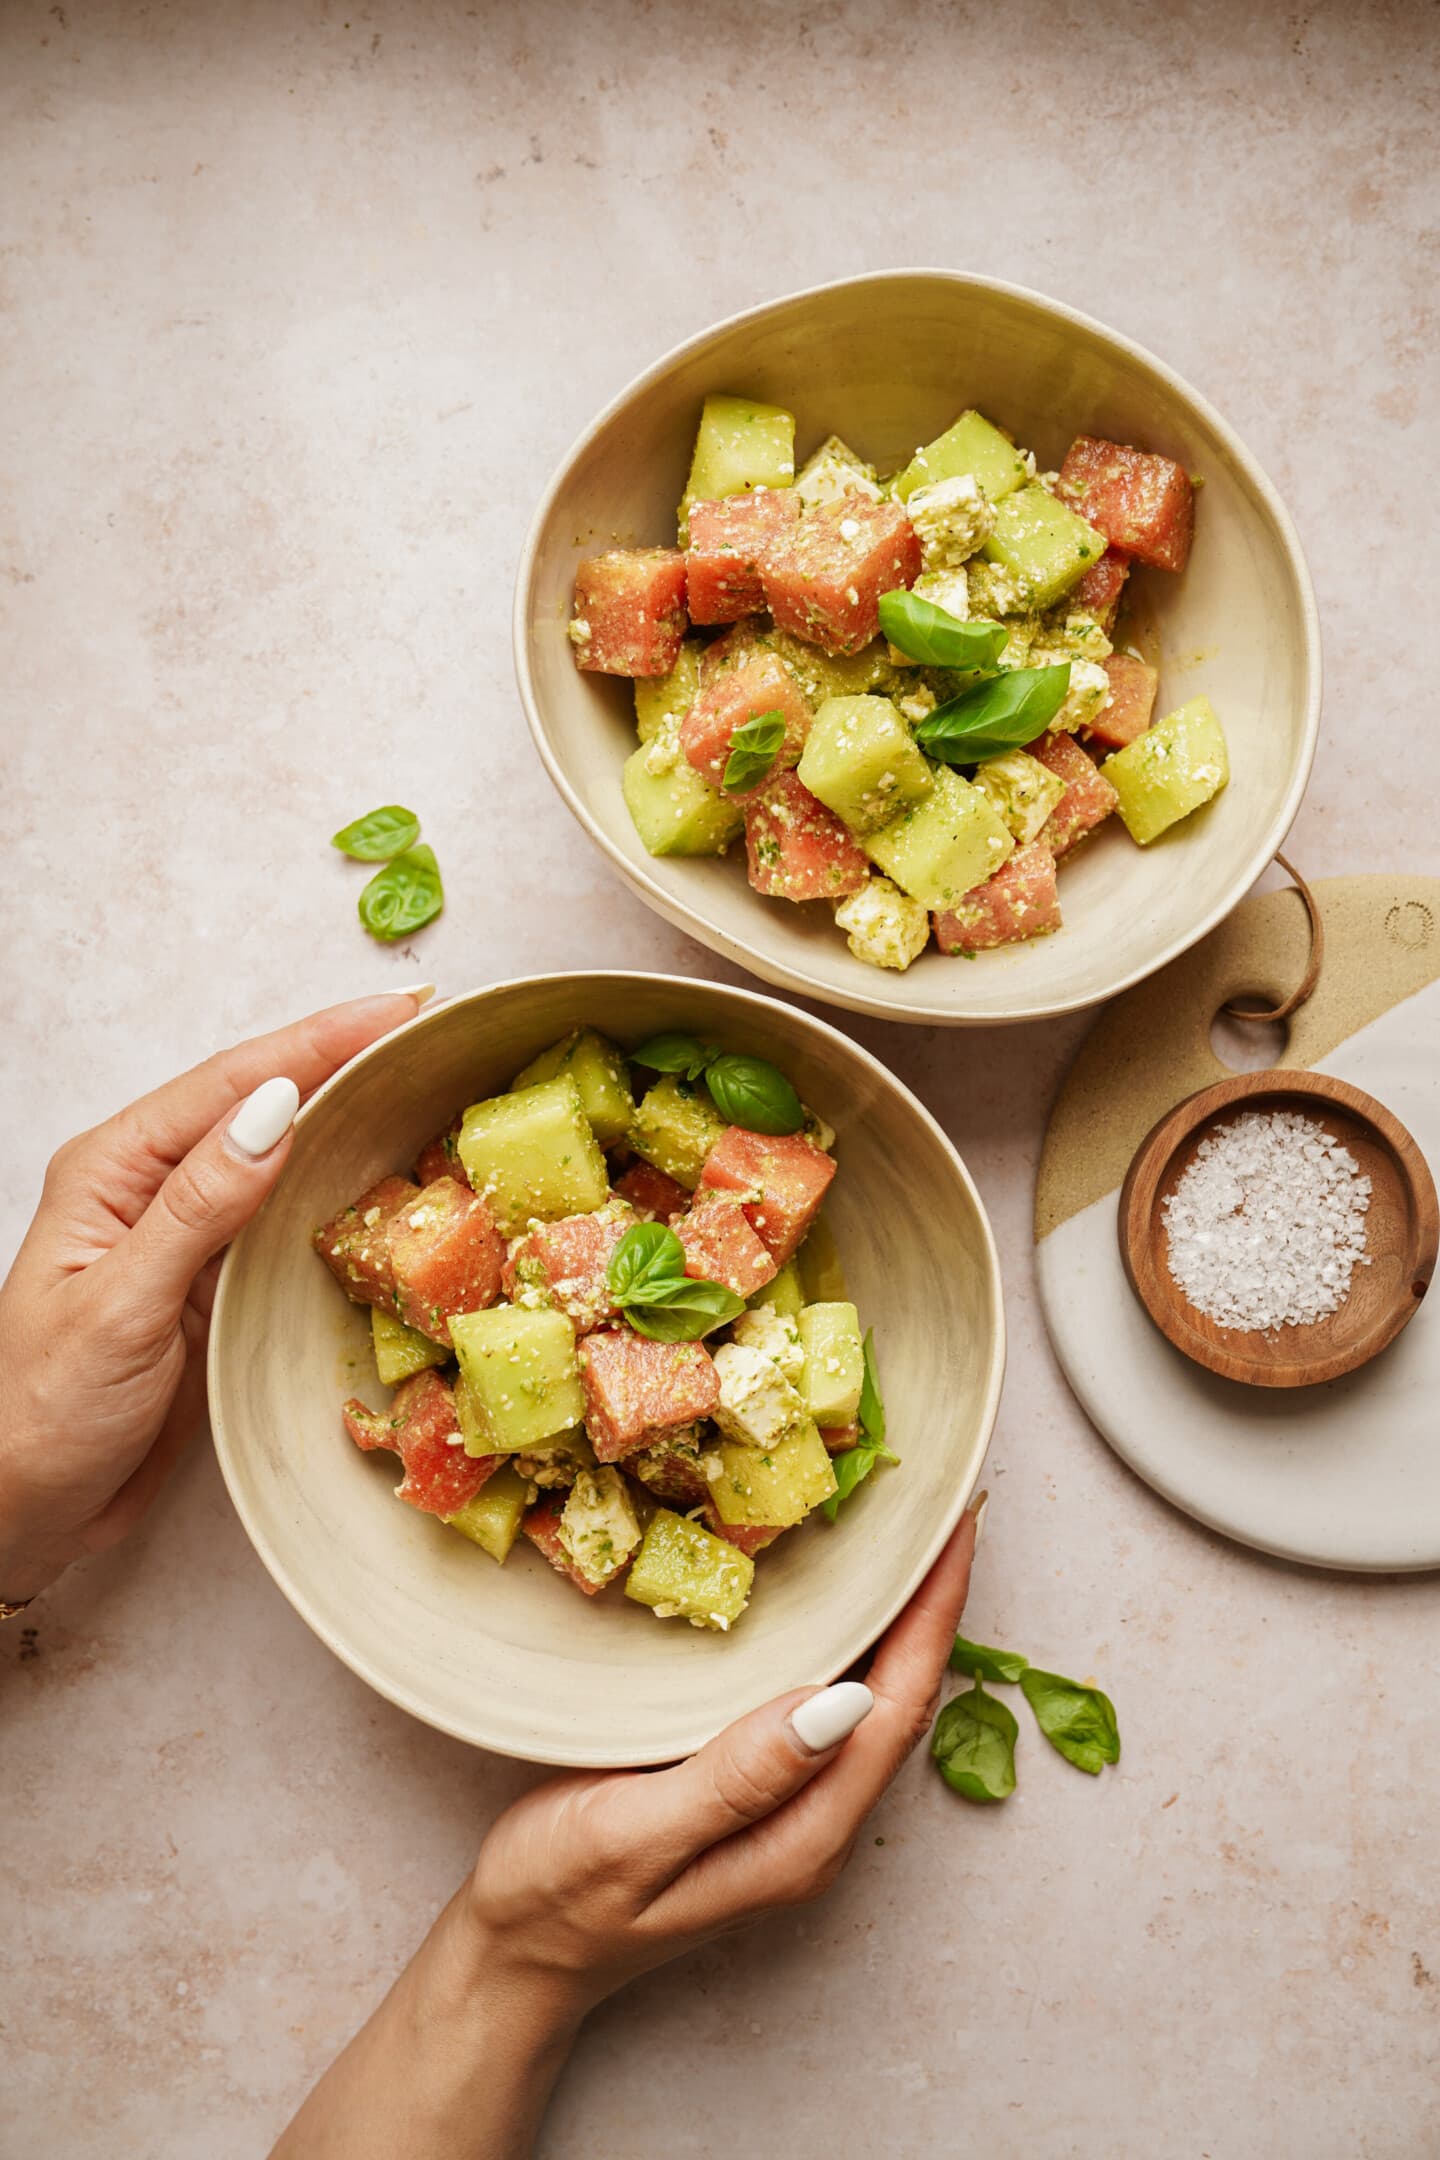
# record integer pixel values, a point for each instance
(8, 1611)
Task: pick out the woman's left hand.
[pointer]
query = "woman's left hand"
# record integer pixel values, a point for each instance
(104, 1315)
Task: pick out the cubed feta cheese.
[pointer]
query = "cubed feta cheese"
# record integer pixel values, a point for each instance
(775, 1335)
(833, 473)
(1023, 791)
(952, 520)
(883, 925)
(599, 1529)
(758, 1406)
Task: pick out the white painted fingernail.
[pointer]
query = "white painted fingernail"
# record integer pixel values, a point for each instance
(978, 1508)
(264, 1118)
(832, 1715)
(421, 992)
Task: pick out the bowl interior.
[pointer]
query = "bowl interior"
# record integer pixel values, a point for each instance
(511, 1659)
(888, 362)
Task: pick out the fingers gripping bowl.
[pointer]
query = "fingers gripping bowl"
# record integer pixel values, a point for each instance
(886, 362)
(511, 1658)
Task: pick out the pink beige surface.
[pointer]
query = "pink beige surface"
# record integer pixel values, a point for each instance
(299, 308)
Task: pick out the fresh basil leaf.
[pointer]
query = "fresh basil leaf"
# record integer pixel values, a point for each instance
(871, 1414)
(980, 1662)
(378, 837)
(754, 748)
(403, 896)
(647, 1254)
(683, 1311)
(675, 1054)
(974, 1746)
(1079, 1722)
(937, 638)
(1004, 713)
(750, 1092)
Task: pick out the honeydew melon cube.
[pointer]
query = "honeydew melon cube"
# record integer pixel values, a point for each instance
(822, 1278)
(667, 698)
(776, 1485)
(970, 445)
(683, 1572)
(1022, 789)
(1170, 770)
(519, 1382)
(532, 1154)
(834, 1369)
(492, 1519)
(824, 675)
(783, 1292)
(400, 1350)
(862, 762)
(671, 807)
(741, 443)
(675, 1127)
(943, 845)
(1041, 545)
(599, 1071)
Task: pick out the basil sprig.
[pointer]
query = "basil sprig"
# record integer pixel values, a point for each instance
(974, 1746)
(980, 1662)
(747, 1091)
(379, 835)
(1003, 713)
(403, 896)
(855, 1464)
(647, 1280)
(754, 748)
(1078, 1721)
(931, 634)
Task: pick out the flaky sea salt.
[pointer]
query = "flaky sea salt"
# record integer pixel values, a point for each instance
(1268, 1222)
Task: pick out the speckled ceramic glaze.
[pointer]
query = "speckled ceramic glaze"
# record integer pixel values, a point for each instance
(513, 1659)
(888, 361)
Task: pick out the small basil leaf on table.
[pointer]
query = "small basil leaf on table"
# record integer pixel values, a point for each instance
(754, 747)
(684, 1311)
(974, 1746)
(404, 896)
(750, 1092)
(934, 636)
(1079, 1722)
(675, 1054)
(378, 836)
(1003, 714)
(979, 1661)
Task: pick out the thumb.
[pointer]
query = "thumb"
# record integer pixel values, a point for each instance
(208, 1197)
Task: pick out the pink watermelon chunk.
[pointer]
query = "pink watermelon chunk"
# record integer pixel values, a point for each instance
(636, 1390)
(570, 1260)
(440, 1157)
(356, 1248)
(728, 700)
(542, 1527)
(823, 580)
(445, 1254)
(744, 640)
(720, 1245)
(1098, 592)
(1143, 503)
(781, 1179)
(654, 1196)
(1018, 902)
(629, 611)
(748, 1538)
(728, 541)
(838, 1438)
(795, 848)
(672, 1471)
(1088, 800)
(421, 1428)
(1126, 712)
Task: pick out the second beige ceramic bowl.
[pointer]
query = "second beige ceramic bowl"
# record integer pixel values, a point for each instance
(513, 1658)
(887, 362)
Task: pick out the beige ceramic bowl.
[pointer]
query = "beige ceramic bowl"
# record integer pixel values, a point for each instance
(511, 1658)
(887, 362)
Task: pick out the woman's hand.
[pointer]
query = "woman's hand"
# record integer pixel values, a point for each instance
(104, 1315)
(590, 1880)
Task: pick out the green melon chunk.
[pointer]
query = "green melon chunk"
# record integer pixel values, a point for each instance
(834, 1370)
(683, 1572)
(822, 1278)
(825, 675)
(673, 810)
(862, 762)
(675, 1127)
(599, 1071)
(1041, 544)
(778, 1485)
(944, 845)
(492, 1519)
(972, 445)
(1170, 770)
(662, 698)
(533, 1154)
(400, 1350)
(519, 1381)
(783, 1291)
(741, 444)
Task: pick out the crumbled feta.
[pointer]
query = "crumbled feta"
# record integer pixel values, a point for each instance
(833, 473)
(775, 1335)
(579, 631)
(917, 703)
(1075, 635)
(952, 519)
(883, 925)
(662, 752)
(758, 1406)
(949, 589)
(817, 1130)
(598, 1529)
(1023, 791)
(993, 592)
(1089, 688)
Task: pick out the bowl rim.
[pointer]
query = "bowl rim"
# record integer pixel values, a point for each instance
(754, 958)
(918, 1561)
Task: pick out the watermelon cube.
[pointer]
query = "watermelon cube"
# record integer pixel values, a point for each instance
(440, 1157)
(795, 848)
(728, 540)
(1088, 800)
(542, 1527)
(824, 578)
(728, 700)
(356, 1248)
(839, 1439)
(421, 1428)
(636, 1390)
(445, 1255)
(748, 1538)
(1143, 503)
(629, 611)
(654, 1196)
(720, 1245)
(568, 1263)
(1098, 592)
(1018, 902)
(672, 1469)
(1126, 712)
(781, 1179)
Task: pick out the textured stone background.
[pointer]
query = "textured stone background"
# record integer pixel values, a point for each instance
(297, 309)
